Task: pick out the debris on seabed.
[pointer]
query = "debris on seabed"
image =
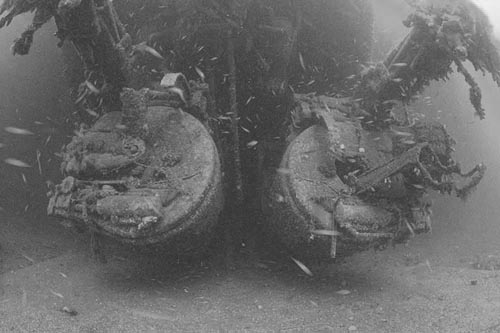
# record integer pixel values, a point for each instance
(70, 311)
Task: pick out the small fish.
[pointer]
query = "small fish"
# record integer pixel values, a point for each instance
(399, 64)
(301, 59)
(320, 232)
(355, 172)
(397, 80)
(252, 144)
(350, 77)
(343, 292)
(17, 131)
(410, 228)
(38, 155)
(63, 275)
(302, 266)
(245, 129)
(428, 264)
(91, 87)
(28, 258)
(56, 294)
(17, 163)
(153, 52)
(91, 112)
(408, 142)
(418, 186)
(399, 133)
(283, 171)
(179, 92)
(249, 100)
(200, 73)
(24, 178)
(391, 101)
(81, 97)
(121, 127)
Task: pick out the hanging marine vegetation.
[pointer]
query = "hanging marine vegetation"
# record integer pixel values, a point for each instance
(440, 38)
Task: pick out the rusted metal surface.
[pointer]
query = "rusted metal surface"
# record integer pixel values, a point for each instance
(342, 189)
(150, 175)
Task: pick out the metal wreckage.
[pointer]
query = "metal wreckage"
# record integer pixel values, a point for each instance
(196, 101)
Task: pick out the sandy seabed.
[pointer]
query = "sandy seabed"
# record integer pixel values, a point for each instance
(427, 286)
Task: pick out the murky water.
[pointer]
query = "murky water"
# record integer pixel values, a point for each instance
(34, 89)
(34, 95)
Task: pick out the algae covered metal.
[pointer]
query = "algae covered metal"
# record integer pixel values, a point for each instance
(146, 175)
(286, 81)
(342, 189)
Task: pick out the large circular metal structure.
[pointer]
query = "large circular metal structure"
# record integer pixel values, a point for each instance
(150, 176)
(342, 188)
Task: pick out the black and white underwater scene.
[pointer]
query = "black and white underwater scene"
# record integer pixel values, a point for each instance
(249, 166)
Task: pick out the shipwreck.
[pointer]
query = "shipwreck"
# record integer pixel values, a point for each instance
(197, 104)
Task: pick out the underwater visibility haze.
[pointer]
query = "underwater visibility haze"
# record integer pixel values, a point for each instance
(444, 280)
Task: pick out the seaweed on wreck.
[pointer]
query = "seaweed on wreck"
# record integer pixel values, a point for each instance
(441, 36)
(97, 35)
